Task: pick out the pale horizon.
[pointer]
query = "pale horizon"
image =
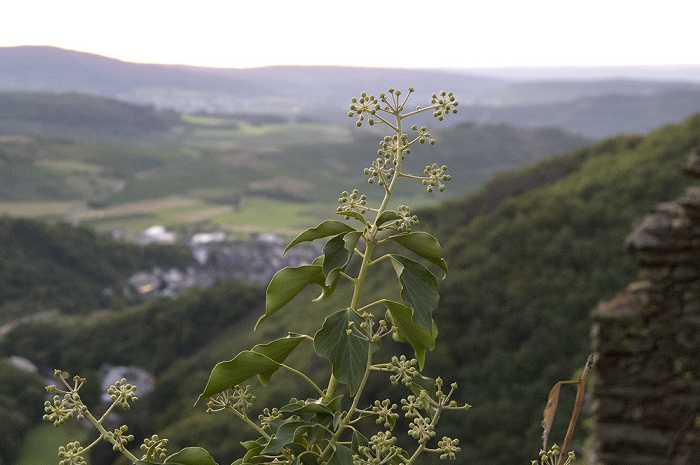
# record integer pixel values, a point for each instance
(363, 33)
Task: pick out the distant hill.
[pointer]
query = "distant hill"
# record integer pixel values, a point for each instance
(323, 92)
(94, 153)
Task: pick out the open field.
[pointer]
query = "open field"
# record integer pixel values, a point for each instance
(42, 443)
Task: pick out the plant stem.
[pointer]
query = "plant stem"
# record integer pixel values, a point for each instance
(295, 371)
(108, 436)
(250, 423)
(371, 241)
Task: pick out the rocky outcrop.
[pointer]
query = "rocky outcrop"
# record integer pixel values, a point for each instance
(646, 394)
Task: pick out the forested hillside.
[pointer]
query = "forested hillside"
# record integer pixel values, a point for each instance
(530, 257)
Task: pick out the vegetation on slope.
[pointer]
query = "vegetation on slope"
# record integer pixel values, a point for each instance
(530, 256)
(21, 401)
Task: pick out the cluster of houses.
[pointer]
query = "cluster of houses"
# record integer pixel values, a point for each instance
(218, 257)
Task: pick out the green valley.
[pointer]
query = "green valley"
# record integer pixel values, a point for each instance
(116, 166)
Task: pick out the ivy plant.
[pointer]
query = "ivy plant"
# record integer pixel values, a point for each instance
(326, 429)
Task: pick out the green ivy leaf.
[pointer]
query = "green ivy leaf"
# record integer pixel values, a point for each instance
(313, 406)
(341, 456)
(424, 245)
(386, 216)
(253, 449)
(287, 283)
(346, 352)
(289, 430)
(419, 289)
(417, 335)
(190, 456)
(325, 229)
(262, 360)
(358, 440)
(277, 350)
(337, 253)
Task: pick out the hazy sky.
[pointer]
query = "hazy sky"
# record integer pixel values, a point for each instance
(407, 33)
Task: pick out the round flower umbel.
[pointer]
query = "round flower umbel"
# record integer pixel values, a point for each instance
(236, 399)
(446, 103)
(71, 454)
(404, 370)
(423, 135)
(154, 447)
(364, 106)
(448, 448)
(122, 393)
(435, 176)
(120, 438)
(406, 221)
(422, 429)
(390, 148)
(551, 457)
(61, 410)
(267, 416)
(352, 202)
(385, 413)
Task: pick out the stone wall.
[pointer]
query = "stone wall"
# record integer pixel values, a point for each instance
(646, 393)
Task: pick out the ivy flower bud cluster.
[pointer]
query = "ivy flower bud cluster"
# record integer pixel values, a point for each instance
(384, 411)
(120, 438)
(423, 135)
(448, 448)
(352, 202)
(154, 447)
(382, 447)
(550, 457)
(404, 370)
(390, 148)
(422, 429)
(435, 176)
(446, 102)
(365, 105)
(412, 405)
(61, 410)
(70, 454)
(123, 393)
(237, 399)
(406, 221)
(393, 103)
(267, 416)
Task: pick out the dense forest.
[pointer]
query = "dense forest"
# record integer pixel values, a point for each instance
(530, 255)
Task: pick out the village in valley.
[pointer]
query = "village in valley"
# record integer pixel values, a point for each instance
(218, 256)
